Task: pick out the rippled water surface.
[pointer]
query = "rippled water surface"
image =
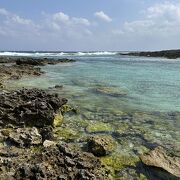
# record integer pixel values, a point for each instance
(151, 84)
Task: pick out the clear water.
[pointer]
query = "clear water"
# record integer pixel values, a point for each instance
(149, 115)
(152, 84)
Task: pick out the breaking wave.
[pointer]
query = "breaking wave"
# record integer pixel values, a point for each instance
(58, 54)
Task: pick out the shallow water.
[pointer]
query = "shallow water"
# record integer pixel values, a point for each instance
(148, 114)
(151, 84)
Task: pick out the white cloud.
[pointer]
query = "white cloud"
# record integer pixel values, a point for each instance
(102, 16)
(3, 11)
(65, 26)
(13, 25)
(168, 11)
(159, 20)
(159, 27)
(82, 21)
(60, 17)
(53, 25)
(20, 20)
(13, 18)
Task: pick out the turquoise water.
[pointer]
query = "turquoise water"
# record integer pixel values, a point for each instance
(152, 84)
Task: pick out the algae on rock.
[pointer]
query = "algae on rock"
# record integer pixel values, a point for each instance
(101, 145)
(118, 161)
(58, 120)
(67, 133)
(95, 127)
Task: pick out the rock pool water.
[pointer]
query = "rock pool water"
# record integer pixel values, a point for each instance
(136, 100)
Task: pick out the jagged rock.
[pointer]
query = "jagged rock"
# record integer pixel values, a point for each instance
(46, 133)
(171, 54)
(53, 162)
(40, 62)
(159, 158)
(15, 72)
(24, 137)
(30, 107)
(101, 145)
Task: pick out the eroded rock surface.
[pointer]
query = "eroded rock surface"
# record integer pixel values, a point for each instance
(40, 61)
(23, 137)
(101, 145)
(54, 162)
(13, 68)
(14, 72)
(30, 107)
(159, 158)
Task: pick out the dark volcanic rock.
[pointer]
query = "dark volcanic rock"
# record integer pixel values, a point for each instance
(30, 107)
(52, 163)
(40, 61)
(34, 61)
(46, 133)
(171, 54)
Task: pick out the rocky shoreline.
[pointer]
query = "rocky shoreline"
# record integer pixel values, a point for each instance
(170, 54)
(31, 149)
(14, 68)
(28, 148)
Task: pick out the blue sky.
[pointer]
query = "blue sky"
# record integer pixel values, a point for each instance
(85, 25)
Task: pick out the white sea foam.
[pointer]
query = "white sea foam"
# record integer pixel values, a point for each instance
(57, 54)
(98, 53)
(15, 54)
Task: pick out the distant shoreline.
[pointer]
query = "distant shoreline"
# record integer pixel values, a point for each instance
(170, 54)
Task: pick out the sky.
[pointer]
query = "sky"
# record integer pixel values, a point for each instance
(89, 25)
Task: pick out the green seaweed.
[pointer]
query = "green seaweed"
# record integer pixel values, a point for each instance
(67, 133)
(58, 120)
(118, 161)
(95, 127)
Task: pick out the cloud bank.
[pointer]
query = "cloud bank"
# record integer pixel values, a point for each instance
(158, 28)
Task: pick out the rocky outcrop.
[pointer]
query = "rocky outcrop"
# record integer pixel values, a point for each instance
(35, 61)
(22, 137)
(171, 54)
(41, 62)
(159, 158)
(13, 68)
(29, 107)
(101, 145)
(15, 72)
(53, 162)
